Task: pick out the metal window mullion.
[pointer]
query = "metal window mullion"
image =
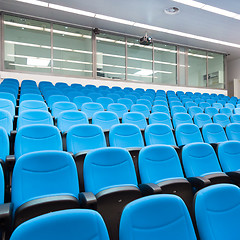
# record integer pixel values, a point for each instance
(178, 67)
(2, 56)
(207, 66)
(126, 61)
(186, 67)
(153, 63)
(94, 55)
(51, 47)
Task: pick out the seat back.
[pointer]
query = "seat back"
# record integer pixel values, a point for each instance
(233, 131)
(178, 109)
(141, 108)
(8, 106)
(161, 216)
(32, 105)
(159, 117)
(90, 108)
(213, 133)
(59, 107)
(203, 105)
(125, 136)
(160, 108)
(85, 137)
(211, 111)
(39, 137)
(194, 110)
(43, 173)
(31, 117)
(187, 133)
(135, 118)
(180, 118)
(200, 119)
(145, 102)
(67, 119)
(235, 118)
(105, 120)
(56, 98)
(117, 108)
(8, 96)
(214, 206)
(126, 101)
(5, 146)
(217, 105)
(159, 134)
(221, 119)
(30, 96)
(80, 100)
(6, 121)
(159, 163)
(106, 168)
(199, 159)
(105, 101)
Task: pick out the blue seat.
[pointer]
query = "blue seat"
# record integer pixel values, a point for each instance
(187, 133)
(178, 109)
(235, 118)
(126, 101)
(94, 96)
(233, 131)
(159, 117)
(32, 105)
(135, 118)
(125, 136)
(221, 119)
(236, 110)
(200, 119)
(8, 106)
(114, 179)
(204, 105)
(39, 137)
(199, 100)
(105, 120)
(223, 102)
(160, 102)
(189, 104)
(175, 103)
(30, 96)
(4, 152)
(160, 108)
(132, 97)
(229, 105)
(213, 133)
(6, 121)
(211, 111)
(56, 98)
(80, 100)
(210, 101)
(32, 117)
(67, 119)
(8, 96)
(117, 108)
(159, 134)
(180, 118)
(154, 217)
(114, 96)
(105, 101)
(226, 111)
(200, 160)
(141, 108)
(116, 88)
(145, 102)
(59, 107)
(90, 108)
(228, 155)
(194, 110)
(214, 207)
(217, 105)
(40, 177)
(85, 137)
(61, 85)
(102, 87)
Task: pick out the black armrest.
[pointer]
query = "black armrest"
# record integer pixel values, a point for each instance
(10, 162)
(54, 121)
(177, 181)
(5, 215)
(199, 182)
(215, 146)
(149, 189)
(44, 205)
(235, 176)
(88, 200)
(220, 177)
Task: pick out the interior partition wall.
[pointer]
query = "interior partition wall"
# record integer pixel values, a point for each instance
(40, 46)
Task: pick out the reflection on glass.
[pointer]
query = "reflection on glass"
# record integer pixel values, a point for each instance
(197, 61)
(182, 66)
(27, 45)
(139, 61)
(165, 64)
(110, 56)
(215, 70)
(72, 51)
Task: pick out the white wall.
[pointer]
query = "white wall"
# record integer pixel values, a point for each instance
(233, 72)
(110, 83)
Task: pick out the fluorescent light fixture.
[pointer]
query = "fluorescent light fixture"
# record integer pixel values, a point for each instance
(29, 66)
(191, 3)
(34, 2)
(71, 10)
(144, 72)
(38, 62)
(113, 19)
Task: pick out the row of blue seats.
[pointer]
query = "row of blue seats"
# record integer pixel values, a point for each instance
(110, 171)
(152, 217)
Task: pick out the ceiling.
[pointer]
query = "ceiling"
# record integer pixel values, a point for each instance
(189, 20)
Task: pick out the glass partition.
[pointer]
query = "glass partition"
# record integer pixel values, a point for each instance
(27, 44)
(72, 51)
(165, 64)
(139, 61)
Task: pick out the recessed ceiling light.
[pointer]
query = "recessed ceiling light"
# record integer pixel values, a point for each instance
(172, 10)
